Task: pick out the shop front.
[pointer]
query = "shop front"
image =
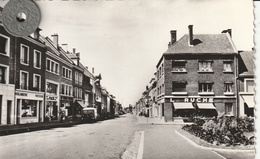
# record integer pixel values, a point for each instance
(247, 104)
(29, 107)
(66, 104)
(51, 108)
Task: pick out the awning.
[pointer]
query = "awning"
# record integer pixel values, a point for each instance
(206, 106)
(249, 101)
(81, 104)
(183, 106)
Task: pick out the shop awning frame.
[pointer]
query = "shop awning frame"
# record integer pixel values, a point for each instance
(81, 104)
(183, 106)
(206, 106)
(249, 100)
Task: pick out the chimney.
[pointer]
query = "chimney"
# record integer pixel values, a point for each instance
(37, 34)
(65, 47)
(93, 70)
(229, 31)
(173, 36)
(169, 45)
(56, 40)
(74, 50)
(190, 34)
(78, 55)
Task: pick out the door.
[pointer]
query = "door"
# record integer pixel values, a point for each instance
(9, 111)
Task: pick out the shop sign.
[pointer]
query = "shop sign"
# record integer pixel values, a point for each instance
(29, 95)
(51, 98)
(192, 100)
(20, 94)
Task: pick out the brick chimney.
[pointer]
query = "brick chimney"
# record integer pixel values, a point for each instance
(173, 36)
(36, 34)
(190, 34)
(229, 31)
(56, 40)
(93, 70)
(74, 50)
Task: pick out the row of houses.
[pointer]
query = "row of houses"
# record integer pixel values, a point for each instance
(200, 74)
(39, 78)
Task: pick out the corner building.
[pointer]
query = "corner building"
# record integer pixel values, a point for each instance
(197, 76)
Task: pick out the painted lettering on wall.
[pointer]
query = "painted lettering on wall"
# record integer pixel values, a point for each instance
(199, 100)
(51, 98)
(21, 94)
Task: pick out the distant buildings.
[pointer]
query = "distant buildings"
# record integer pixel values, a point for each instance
(39, 79)
(202, 75)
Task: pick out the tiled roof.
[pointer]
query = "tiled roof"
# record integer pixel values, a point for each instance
(203, 43)
(247, 58)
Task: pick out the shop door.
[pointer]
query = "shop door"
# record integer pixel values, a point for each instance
(40, 111)
(9, 111)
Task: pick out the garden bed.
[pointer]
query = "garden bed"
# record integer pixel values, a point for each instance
(224, 132)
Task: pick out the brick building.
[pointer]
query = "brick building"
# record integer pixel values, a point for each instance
(197, 74)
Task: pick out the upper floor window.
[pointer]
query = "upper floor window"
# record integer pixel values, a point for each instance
(2, 74)
(80, 94)
(76, 77)
(76, 92)
(162, 69)
(52, 66)
(66, 73)
(205, 87)
(227, 66)
(66, 89)
(178, 66)
(228, 108)
(37, 59)
(179, 86)
(205, 66)
(249, 85)
(4, 44)
(24, 80)
(24, 55)
(80, 78)
(36, 82)
(52, 88)
(228, 87)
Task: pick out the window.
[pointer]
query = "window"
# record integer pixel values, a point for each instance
(36, 82)
(29, 108)
(4, 44)
(66, 89)
(162, 69)
(249, 85)
(52, 88)
(179, 86)
(228, 87)
(178, 66)
(76, 77)
(228, 108)
(24, 80)
(205, 66)
(66, 73)
(227, 66)
(80, 78)
(24, 55)
(52, 66)
(80, 94)
(37, 59)
(205, 87)
(2, 74)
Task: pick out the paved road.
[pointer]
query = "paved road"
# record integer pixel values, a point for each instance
(106, 139)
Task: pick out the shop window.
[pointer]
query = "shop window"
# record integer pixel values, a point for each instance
(179, 86)
(2, 74)
(52, 88)
(179, 66)
(205, 87)
(249, 85)
(37, 59)
(228, 109)
(228, 87)
(29, 108)
(24, 55)
(24, 80)
(36, 82)
(205, 66)
(227, 66)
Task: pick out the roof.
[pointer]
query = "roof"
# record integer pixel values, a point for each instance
(203, 44)
(247, 59)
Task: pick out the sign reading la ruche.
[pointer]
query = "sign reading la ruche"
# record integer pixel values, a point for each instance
(192, 100)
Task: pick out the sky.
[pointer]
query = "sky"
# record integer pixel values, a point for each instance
(124, 39)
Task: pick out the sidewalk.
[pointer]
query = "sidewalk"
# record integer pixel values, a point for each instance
(159, 121)
(14, 129)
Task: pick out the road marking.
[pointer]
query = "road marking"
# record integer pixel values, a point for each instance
(219, 155)
(141, 146)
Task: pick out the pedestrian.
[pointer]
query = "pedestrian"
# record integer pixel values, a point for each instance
(61, 115)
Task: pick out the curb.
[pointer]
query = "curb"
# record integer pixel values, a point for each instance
(210, 148)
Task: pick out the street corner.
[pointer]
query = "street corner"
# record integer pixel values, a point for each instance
(135, 148)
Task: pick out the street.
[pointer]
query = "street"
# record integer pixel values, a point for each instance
(105, 139)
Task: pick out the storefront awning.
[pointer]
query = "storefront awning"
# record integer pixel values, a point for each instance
(249, 101)
(183, 106)
(81, 103)
(206, 106)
